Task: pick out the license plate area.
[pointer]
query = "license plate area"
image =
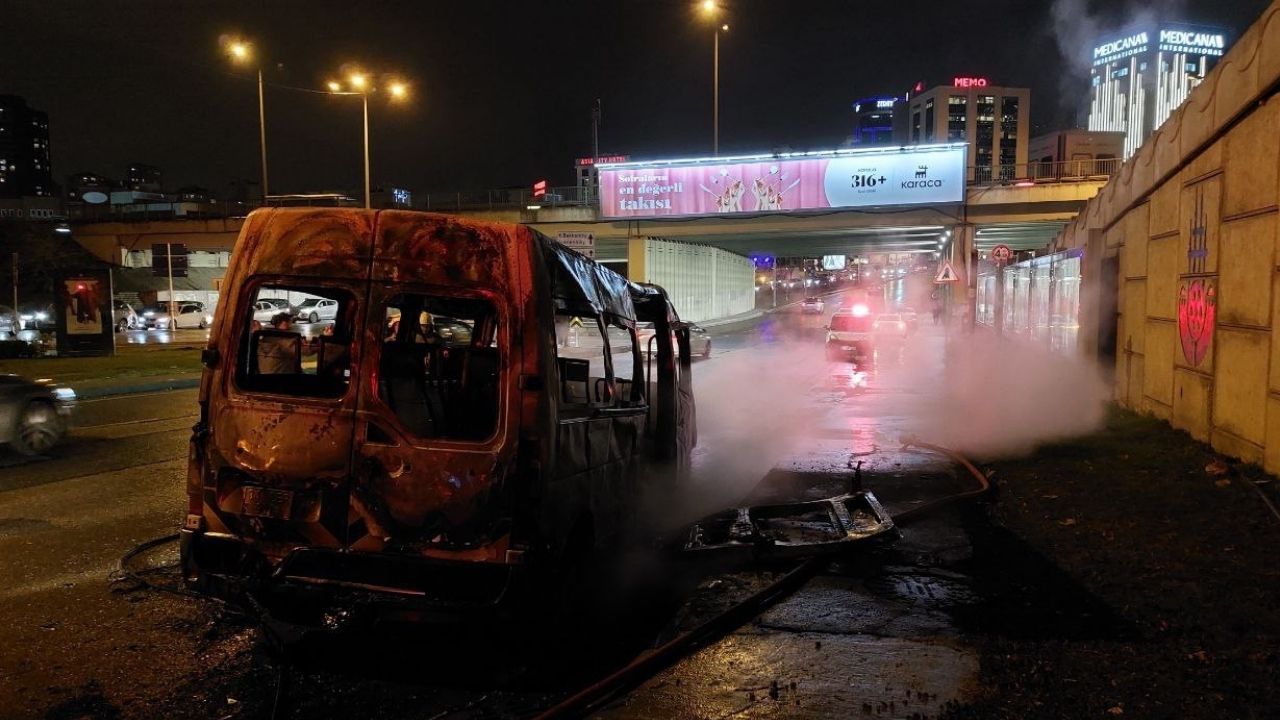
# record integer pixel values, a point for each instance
(266, 502)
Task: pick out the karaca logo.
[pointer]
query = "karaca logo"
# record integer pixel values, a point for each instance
(1197, 307)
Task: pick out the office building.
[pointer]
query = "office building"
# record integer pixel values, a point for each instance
(1141, 75)
(143, 178)
(993, 120)
(873, 120)
(98, 186)
(25, 170)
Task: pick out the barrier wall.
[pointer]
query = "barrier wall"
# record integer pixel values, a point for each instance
(704, 282)
(1184, 240)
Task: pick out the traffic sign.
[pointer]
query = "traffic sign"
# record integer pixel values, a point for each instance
(1001, 254)
(583, 242)
(946, 274)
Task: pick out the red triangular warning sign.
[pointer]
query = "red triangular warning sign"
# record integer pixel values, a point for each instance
(946, 274)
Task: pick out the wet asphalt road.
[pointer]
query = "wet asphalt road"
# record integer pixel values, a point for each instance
(75, 644)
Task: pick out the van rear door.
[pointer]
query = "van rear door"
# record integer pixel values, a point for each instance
(282, 437)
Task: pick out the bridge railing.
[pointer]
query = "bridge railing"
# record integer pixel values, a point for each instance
(1044, 172)
(510, 198)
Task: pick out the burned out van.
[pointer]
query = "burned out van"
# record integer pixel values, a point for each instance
(471, 408)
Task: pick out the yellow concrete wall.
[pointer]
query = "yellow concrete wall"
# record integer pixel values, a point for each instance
(1198, 204)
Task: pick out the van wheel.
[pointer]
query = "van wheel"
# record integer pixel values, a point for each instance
(39, 429)
(313, 318)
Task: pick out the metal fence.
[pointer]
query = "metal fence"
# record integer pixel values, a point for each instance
(1044, 172)
(521, 198)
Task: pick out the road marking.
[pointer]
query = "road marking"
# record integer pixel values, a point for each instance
(134, 422)
(133, 395)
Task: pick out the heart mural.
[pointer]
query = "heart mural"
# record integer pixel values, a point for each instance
(1197, 308)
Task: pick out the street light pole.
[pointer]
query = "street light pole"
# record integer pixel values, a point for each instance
(365, 97)
(262, 135)
(715, 95)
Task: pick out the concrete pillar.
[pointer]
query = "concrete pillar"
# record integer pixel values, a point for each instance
(964, 261)
(637, 263)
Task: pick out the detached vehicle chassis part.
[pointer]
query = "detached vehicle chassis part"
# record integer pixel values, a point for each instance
(791, 530)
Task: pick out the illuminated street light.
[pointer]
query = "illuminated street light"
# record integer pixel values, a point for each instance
(241, 51)
(710, 10)
(360, 85)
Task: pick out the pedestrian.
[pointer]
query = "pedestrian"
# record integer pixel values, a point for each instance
(280, 352)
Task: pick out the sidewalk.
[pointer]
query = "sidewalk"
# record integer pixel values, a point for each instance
(125, 373)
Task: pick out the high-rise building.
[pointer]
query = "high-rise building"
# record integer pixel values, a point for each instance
(993, 120)
(873, 120)
(1141, 75)
(24, 150)
(143, 178)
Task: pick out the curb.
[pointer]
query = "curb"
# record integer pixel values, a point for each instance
(137, 389)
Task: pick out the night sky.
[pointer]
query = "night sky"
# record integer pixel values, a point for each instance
(502, 91)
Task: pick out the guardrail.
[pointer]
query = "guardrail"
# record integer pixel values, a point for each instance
(1022, 174)
(1044, 172)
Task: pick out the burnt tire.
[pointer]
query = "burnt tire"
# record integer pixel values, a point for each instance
(39, 428)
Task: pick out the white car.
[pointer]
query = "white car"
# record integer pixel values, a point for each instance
(190, 315)
(265, 309)
(314, 310)
(812, 305)
(849, 336)
(890, 324)
(124, 316)
(10, 324)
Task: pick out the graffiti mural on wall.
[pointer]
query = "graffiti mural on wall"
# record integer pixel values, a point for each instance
(1197, 308)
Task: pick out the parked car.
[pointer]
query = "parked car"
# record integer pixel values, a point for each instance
(314, 310)
(124, 316)
(265, 309)
(812, 305)
(699, 340)
(37, 316)
(10, 323)
(33, 415)
(191, 314)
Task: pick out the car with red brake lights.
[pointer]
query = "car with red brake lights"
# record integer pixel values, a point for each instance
(849, 335)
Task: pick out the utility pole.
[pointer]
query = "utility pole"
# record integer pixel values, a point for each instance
(173, 307)
(15, 282)
(262, 135)
(595, 130)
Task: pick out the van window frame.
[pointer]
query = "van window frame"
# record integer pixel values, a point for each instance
(372, 401)
(243, 335)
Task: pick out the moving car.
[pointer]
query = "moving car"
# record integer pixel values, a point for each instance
(912, 320)
(33, 415)
(124, 317)
(812, 305)
(849, 335)
(314, 310)
(699, 340)
(890, 324)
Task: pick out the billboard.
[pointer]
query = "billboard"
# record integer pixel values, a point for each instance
(84, 316)
(783, 183)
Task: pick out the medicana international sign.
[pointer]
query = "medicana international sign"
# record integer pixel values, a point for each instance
(1175, 38)
(783, 183)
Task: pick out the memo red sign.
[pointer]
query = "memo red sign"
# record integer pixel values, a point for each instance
(969, 82)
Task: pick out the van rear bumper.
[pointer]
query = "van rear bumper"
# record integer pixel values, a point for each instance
(310, 587)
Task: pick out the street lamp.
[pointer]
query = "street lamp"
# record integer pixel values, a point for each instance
(710, 10)
(358, 83)
(241, 51)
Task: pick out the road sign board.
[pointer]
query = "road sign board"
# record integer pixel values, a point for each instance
(1002, 254)
(946, 274)
(583, 242)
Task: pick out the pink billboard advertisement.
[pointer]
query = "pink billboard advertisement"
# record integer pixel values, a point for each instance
(780, 184)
